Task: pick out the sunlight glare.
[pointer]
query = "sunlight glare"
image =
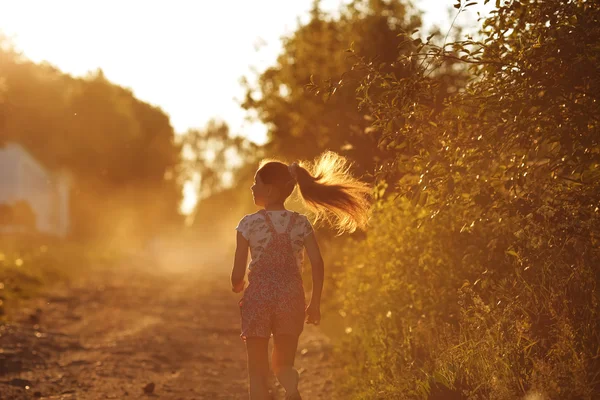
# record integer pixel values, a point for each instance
(190, 195)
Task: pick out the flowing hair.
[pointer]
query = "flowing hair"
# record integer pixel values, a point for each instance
(326, 187)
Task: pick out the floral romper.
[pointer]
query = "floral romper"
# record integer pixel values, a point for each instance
(273, 302)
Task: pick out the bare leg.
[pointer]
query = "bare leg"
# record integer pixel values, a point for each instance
(284, 353)
(258, 367)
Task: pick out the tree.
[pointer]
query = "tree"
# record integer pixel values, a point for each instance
(496, 196)
(216, 157)
(302, 125)
(120, 151)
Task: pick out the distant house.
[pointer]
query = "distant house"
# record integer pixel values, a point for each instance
(26, 183)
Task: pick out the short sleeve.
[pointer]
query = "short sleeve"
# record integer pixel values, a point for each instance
(242, 227)
(307, 228)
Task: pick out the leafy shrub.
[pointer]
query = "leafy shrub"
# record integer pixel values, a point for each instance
(478, 276)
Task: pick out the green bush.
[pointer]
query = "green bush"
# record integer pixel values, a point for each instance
(478, 278)
(433, 312)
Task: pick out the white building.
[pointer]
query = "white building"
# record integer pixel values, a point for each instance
(23, 178)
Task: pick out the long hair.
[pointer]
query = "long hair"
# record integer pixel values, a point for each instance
(326, 187)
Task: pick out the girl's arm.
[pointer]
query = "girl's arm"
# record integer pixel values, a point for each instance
(317, 266)
(239, 264)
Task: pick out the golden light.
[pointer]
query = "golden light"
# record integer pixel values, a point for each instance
(190, 195)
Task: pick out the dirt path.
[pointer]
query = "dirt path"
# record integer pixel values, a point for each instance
(129, 335)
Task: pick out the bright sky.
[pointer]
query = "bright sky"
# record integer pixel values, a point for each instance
(186, 56)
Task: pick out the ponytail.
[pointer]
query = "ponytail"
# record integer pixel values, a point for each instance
(326, 187)
(332, 193)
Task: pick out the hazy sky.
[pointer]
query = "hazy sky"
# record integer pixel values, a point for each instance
(186, 56)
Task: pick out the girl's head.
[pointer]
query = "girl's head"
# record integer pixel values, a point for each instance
(326, 187)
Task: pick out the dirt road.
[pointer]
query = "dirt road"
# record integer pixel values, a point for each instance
(127, 334)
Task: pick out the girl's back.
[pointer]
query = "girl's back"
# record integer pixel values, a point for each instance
(255, 228)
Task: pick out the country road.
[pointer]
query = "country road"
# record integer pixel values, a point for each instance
(128, 334)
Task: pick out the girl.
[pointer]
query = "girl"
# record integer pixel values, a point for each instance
(273, 304)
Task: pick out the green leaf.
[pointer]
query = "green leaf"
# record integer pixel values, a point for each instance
(512, 253)
(416, 194)
(390, 125)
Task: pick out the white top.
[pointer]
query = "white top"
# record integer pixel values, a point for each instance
(255, 229)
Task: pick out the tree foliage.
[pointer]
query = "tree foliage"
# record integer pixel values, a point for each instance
(217, 156)
(302, 124)
(120, 151)
(481, 267)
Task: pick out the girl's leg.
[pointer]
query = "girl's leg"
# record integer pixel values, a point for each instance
(258, 367)
(284, 353)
